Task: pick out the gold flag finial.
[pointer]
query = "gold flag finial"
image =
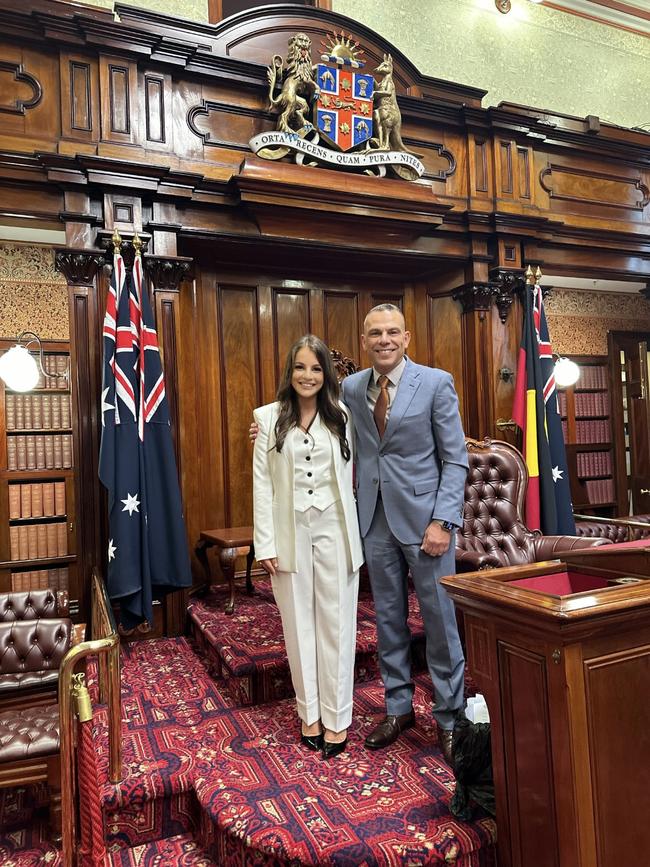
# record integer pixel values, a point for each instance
(137, 244)
(117, 241)
(530, 277)
(81, 697)
(538, 274)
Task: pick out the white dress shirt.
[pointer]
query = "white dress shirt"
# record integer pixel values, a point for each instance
(393, 381)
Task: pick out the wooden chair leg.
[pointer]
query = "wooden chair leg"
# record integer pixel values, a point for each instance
(54, 783)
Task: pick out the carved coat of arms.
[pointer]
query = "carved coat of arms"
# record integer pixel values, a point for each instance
(335, 113)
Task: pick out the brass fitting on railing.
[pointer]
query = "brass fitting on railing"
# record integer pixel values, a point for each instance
(81, 697)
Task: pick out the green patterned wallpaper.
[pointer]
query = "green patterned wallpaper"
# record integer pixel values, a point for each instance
(534, 56)
(195, 10)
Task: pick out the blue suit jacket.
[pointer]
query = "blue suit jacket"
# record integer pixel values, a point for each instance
(421, 462)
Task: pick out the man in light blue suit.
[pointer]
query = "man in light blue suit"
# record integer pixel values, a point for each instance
(410, 477)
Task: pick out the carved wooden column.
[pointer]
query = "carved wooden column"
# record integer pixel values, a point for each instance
(478, 381)
(81, 269)
(165, 274)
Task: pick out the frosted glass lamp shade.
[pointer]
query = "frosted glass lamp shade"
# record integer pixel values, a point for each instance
(566, 372)
(19, 369)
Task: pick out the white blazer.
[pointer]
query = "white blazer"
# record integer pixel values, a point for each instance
(274, 517)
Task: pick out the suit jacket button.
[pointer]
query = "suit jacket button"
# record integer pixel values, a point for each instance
(374, 481)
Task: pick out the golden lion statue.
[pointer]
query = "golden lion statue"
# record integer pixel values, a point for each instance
(297, 85)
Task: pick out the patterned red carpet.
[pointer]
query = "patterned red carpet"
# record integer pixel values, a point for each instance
(266, 800)
(209, 783)
(246, 649)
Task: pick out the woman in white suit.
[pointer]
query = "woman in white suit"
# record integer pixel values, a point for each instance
(307, 537)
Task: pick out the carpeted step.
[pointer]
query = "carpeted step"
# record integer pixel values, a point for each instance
(168, 699)
(266, 800)
(246, 649)
(179, 850)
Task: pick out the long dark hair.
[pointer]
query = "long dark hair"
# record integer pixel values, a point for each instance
(327, 399)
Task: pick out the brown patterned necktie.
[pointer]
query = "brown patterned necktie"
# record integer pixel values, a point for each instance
(381, 405)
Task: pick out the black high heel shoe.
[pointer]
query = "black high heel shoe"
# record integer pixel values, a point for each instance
(331, 749)
(312, 742)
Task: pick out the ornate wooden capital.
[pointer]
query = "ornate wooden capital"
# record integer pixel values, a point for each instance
(475, 296)
(506, 284)
(79, 267)
(167, 272)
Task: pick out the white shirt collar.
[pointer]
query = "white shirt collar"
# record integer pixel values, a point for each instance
(394, 376)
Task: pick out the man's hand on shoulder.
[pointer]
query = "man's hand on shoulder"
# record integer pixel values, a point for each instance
(253, 431)
(436, 540)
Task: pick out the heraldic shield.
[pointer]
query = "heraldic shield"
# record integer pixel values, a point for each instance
(343, 107)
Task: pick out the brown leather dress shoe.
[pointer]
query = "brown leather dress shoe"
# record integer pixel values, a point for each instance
(445, 739)
(389, 729)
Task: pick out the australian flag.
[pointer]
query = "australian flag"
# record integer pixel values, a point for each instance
(147, 545)
(535, 410)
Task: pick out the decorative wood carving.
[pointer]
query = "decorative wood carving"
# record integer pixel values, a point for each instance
(481, 167)
(167, 272)
(20, 105)
(505, 284)
(475, 296)
(79, 267)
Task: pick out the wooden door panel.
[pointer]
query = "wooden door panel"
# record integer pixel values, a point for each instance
(240, 394)
(291, 320)
(341, 323)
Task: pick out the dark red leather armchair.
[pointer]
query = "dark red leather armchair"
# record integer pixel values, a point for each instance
(493, 532)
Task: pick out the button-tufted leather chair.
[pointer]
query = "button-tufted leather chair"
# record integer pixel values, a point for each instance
(617, 530)
(32, 604)
(31, 652)
(493, 532)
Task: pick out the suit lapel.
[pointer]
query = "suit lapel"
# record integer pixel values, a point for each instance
(408, 385)
(362, 400)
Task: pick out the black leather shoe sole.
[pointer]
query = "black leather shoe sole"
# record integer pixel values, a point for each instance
(330, 750)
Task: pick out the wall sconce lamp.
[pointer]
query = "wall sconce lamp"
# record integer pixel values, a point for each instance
(506, 375)
(19, 368)
(566, 372)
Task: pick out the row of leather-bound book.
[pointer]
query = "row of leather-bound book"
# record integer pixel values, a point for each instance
(37, 412)
(38, 541)
(39, 452)
(36, 500)
(40, 579)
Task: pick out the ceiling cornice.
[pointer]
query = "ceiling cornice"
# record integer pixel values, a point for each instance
(630, 15)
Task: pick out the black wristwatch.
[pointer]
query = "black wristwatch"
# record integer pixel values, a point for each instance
(446, 525)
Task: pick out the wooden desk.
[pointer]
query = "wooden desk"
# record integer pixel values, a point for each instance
(227, 540)
(561, 652)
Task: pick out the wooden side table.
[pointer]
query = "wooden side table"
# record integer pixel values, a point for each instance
(227, 540)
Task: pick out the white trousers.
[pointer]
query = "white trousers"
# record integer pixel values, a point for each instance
(318, 606)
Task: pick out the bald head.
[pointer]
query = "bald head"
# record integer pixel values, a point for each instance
(385, 337)
(381, 308)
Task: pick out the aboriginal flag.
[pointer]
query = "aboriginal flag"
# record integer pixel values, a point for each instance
(535, 410)
(147, 546)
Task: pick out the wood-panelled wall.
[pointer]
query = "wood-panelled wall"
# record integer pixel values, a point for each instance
(244, 324)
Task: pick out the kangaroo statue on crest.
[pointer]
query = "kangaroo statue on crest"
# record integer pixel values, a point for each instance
(387, 116)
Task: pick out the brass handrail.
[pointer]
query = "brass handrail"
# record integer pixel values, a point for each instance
(105, 643)
(111, 647)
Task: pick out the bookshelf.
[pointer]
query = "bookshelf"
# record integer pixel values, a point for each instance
(586, 422)
(37, 508)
